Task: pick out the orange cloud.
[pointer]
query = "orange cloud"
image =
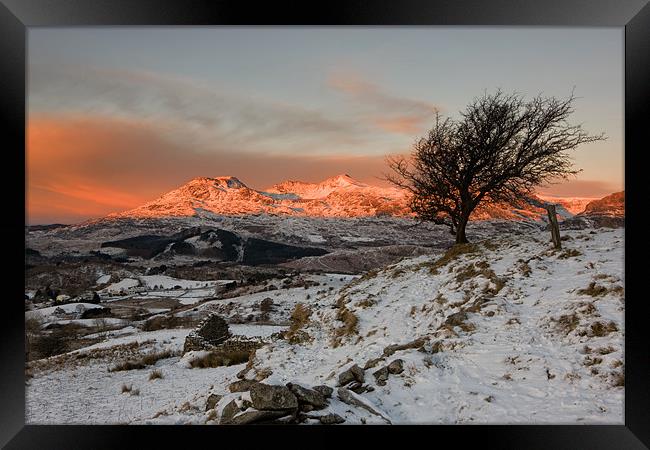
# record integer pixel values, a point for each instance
(404, 125)
(86, 167)
(391, 113)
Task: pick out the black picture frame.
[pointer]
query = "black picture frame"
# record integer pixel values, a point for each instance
(18, 15)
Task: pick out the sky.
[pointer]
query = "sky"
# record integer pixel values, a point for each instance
(119, 115)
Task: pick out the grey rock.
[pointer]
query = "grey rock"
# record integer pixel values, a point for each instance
(388, 351)
(212, 401)
(331, 419)
(228, 412)
(309, 396)
(268, 397)
(354, 373)
(396, 366)
(253, 415)
(381, 376)
(241, 385)
(353, 399)
(306, 407)
(357, 387)
(325, 390)
(371, 363)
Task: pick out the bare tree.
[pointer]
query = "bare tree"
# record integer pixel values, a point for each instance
(500, 149)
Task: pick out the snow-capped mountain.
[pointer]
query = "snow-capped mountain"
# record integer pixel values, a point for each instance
(339, 196)
(612, 205)
(574, 205)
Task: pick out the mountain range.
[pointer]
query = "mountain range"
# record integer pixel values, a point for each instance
(338, 196)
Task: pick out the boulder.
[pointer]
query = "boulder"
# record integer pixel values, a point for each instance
(331, 419)
(241, 385)
(308, 396)
(212, 401)
(269, 397)
(228, 412)
(354, 373)
(306, 407)
(396, 366)
(371, 363)
(253, 415)
(388, 351)
(381, 376)
(326, 391)
(349, 397)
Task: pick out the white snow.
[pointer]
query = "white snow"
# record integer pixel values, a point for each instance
(103, 279)
(539, 344)
(123, 285)
(68, 308)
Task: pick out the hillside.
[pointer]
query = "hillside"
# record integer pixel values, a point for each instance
(502, 331)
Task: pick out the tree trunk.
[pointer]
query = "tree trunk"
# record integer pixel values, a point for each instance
(460, 231)
(555, 228)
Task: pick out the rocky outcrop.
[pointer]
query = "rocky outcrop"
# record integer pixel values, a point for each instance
(354, 373)
(353, 379)
(308, 396)
(326, 391)
(273, 398)
(241, 385)
(212, 401)
(353, 399)
(331, 419)
(254, 402)
(395, 367)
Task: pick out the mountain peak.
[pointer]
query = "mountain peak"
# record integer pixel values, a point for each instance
(228, 182)
(341, 180)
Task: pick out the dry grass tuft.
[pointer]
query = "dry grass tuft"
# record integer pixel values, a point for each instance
(596, 290)
(490, 245)
(592, 361)
(129, 389)
(605, 350)
(568, 322)
(367, 302)
(619, 379)
(569, 253)
(350, 322)
(369, 275)
(216, 359)
(155, 374)
(146, 360)
(299, 319)
(451, 254)
(525, 268)
(602, 329)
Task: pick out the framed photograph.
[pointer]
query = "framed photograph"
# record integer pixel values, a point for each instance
(367, 214)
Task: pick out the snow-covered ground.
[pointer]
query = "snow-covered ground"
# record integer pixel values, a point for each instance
(50, 313)
(507, 331)
(531, 353)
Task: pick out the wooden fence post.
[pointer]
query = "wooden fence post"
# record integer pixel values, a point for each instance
(555, 228)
